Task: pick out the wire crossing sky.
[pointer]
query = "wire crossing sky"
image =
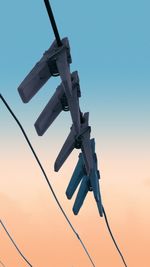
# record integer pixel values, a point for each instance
(2, 264)
(49, 185)
(57, 201)
(14, 243)
(118, 87)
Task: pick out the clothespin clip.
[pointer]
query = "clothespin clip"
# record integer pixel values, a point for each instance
(88, 182)
(58, 102)
(79, 141)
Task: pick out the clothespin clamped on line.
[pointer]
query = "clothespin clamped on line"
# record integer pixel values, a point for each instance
(55, 61)
(88, 182)
(59, 102)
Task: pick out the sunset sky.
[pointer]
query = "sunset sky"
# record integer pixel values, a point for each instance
(110, 47)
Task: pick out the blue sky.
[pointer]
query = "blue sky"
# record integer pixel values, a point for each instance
(110, 46)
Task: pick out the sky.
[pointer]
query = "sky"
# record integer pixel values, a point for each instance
(110, 48)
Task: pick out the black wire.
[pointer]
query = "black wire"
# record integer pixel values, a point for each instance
(44, 173)
(53, 23)
(2, 264)
(106, 220)
(47, 180)
(54, 26)
(25, 259)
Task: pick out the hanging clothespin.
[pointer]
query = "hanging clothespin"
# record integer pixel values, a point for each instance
(88, 182)
(59, 102)
(79, 141)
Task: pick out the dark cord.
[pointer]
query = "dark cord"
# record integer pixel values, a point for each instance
(53, 23)
(106, 220)
(46, 178)
(2, 264)
(42, 169)
(15, 244)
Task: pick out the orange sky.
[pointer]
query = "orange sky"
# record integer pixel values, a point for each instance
(34, 220)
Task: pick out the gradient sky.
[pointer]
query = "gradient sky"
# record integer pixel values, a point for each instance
(110, 47)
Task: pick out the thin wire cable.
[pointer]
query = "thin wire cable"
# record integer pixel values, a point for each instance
(47, 180)
(25, 259)
(54, 26)
(42, 169)
(2, 264)
(53, 23)
(107, 223)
